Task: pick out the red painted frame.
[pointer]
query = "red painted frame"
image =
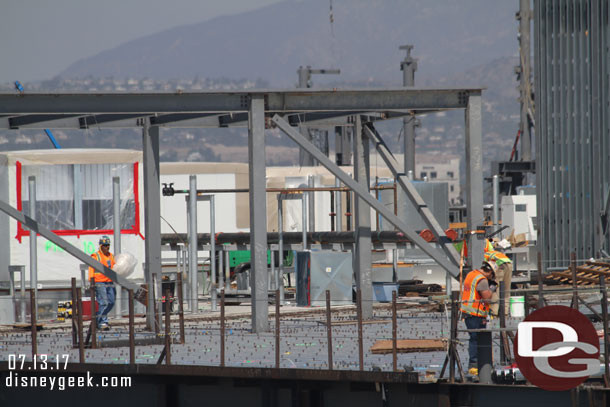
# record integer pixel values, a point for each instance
(135, 230)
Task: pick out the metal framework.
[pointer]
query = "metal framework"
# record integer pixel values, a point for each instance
(258, 109)
(572, 128)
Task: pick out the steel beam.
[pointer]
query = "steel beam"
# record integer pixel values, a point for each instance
(474, 176)
(412, 194)
(258, 214)
(152, 212)
(192, 219)
(295, 100)
(435, 254)
(362, 263)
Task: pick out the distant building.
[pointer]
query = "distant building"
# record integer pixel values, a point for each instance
(441, 168)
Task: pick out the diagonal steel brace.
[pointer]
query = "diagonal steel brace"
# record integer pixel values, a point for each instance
(437, 256)
(139, 292)
(412, 193)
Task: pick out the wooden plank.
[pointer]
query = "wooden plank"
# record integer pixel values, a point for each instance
(383, 347)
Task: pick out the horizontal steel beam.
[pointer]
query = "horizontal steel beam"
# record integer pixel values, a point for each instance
(287, 101)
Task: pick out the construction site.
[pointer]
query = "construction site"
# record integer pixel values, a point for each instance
(337, 280)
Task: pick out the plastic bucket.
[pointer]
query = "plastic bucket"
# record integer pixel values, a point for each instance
(517, 306)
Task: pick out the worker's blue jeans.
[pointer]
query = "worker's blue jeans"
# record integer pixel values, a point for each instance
(473, 322)
(105, 293)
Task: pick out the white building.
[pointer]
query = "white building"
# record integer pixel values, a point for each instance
(441, 168)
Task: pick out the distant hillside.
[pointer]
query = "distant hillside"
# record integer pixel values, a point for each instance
(450, 37)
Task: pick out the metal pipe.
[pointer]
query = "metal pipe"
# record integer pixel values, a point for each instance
(33, 241)
(81, 339)
(496, 199)
(168, 339)
(116, 223)
(93, 314)
(359, 317)
(338, 206)
(22, 289)
(274, 281)
(540, 296)
(272, 190)
(304, 221)
(221, 260)
(329, 332)
(311, 200)
(226, 277)
(394, 334)
(280, 230)
(394, 265)
(277, 328)
(243, 238)
(333, 212)
(34, 324)
(180, 307)
(484, 356)
(74, 313)
(132, 340)
(222, 327)
(193, 243)
(213, 290)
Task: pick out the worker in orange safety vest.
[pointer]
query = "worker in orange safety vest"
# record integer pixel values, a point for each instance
(504, 273)
(476, 295)
(105, 293)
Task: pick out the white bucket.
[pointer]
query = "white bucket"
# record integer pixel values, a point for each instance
(517, 306)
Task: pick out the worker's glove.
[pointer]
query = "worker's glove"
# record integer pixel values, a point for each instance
(493, 286)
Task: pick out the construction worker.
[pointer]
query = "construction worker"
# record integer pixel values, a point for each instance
(105, 293)
(476, 296)
(504, 273)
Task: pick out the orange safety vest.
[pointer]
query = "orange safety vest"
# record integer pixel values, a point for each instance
(490, 254)
(472, 302)
(107, 261)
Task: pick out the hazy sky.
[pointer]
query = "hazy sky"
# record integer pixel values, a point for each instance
(40, 38)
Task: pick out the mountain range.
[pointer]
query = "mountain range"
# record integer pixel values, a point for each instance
(270, 43)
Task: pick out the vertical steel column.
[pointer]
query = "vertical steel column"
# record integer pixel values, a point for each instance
(280, 230)
(360, 338)
(116, 224)
(213, 291)
(474, 177)
(496, 200)
(304, 220)
(258, 213)
(311, 203)
(525, 77)
(329, 332)
(363, 221)
(338, 207)
(33, 241)
(152, 212)
(193, 243)
(408, 67)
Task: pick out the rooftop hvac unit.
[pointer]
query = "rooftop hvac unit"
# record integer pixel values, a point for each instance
(317, 272)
